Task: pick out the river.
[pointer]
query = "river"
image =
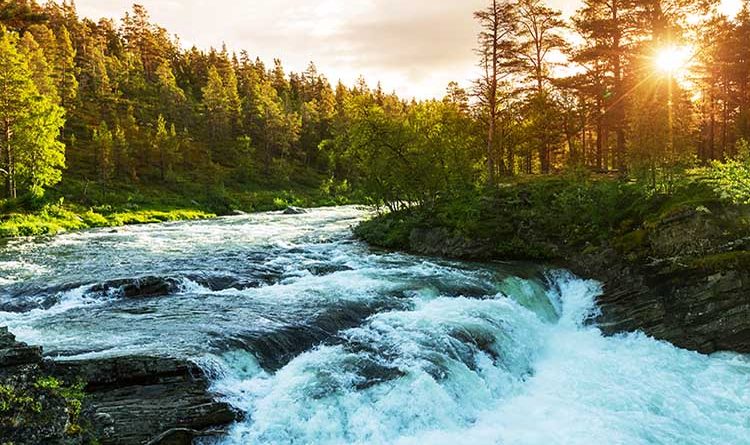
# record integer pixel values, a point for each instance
(321, 340)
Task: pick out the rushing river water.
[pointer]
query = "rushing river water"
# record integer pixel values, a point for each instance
(320, 340)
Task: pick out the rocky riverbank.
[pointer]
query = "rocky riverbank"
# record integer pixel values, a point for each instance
(113, 401)
(678, 270)
(682, 279)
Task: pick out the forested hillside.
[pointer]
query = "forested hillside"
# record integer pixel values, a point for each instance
(114, 113)
(139, 110)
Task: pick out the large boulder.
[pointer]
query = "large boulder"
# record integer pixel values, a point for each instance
(138, 288)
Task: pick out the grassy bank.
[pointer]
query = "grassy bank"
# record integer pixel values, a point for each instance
(548, 218)
(54, 219)
(78, 204)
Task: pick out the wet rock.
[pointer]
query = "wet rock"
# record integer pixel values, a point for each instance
(30, 413)
(136, 399)
(182, 436)
(254, 276)
(276, 347)
(687, 281)
(677, 280)
(14, 353)
(127, 400)
(323, 269)
(25, 297)
(136, 288)
(294, 211)
(438, 241)
(690, 308)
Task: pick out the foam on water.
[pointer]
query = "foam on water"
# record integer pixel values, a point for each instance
(520, 380)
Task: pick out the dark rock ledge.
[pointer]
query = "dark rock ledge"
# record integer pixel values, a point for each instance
(682, 279)
(132, 400)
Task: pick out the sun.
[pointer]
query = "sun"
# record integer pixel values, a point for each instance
(673, 59)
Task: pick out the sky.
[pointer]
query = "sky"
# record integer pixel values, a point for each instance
(413, 47)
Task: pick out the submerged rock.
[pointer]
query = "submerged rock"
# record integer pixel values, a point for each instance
(294, 211)
(143, 287)
(129, 400)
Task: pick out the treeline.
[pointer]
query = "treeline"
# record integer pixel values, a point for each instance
(139, 108)
(642, 89)
(606, 91)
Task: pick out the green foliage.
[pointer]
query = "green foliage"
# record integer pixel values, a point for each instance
(390, 231)
(386, 144)
(73, 396)
(152, 129)
(32, 155)
(529, 219)
(54, 219)
(29, 403)
(731, 179)
(724, 261)
(41, 157)
(14, 404)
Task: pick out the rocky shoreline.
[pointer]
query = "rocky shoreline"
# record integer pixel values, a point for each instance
(133, 400)
(684, 278)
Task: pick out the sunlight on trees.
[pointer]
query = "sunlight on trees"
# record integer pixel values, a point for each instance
(653, 88)
(672, 59)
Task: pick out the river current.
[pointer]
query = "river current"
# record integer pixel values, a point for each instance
(320, 340)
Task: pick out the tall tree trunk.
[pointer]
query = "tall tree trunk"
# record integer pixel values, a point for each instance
(544, 157)
(491, 151)
(529, 162)
(712, 126)
(10, 168)
(619, 161)
(511, 160)
(599, 143)
(584, 140)
(493, 101)
(725, 125)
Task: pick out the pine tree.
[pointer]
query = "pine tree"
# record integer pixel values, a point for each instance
(171, 98)
(16, 96)
(216, 106)
(30, 153)
(539, 37)
(104, 147)
(497, 60)
(40, 70)
(65, 69)
(233, 102)
(609, 28)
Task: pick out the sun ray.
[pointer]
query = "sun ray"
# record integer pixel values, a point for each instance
(673, 59)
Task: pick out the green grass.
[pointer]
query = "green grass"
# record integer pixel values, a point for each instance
(77, 204)
(55, 219)
(544, 218)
